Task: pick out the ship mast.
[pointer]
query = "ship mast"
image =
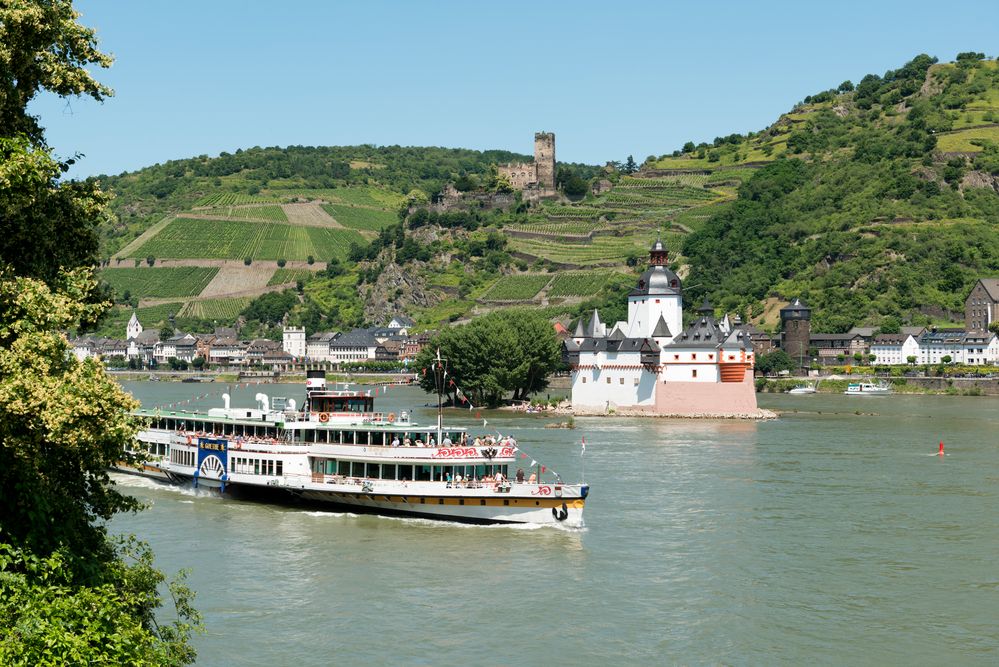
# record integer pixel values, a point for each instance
(440, 374)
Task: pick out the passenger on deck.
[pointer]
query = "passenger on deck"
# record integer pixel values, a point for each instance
(477, 442)
(432, 442)
(446, 442)
(533, 479)
(520, 475)
(406, 442)
(395, 441)
(419, 443)
(448, 478)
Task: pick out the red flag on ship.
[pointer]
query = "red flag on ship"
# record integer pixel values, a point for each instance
(542, 468)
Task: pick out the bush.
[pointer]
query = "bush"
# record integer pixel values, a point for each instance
(281, 262)
(247, 261)
(311, 260)
(150, 260)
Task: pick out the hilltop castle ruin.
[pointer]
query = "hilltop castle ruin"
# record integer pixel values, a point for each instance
(539, 174)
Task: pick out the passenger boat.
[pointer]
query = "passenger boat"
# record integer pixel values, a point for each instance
(338, 450)
(803, 389)
(867, 389)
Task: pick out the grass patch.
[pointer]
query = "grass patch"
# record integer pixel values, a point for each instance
(159, 282)
(961, 141)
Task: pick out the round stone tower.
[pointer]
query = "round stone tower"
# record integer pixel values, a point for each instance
(796, 324)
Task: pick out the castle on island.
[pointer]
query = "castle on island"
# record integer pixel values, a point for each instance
(652, 365)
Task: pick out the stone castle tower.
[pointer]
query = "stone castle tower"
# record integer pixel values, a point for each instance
(544, 159)
(796, 323)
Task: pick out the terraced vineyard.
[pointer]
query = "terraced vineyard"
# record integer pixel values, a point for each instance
(282, 276)
(578, 283)
(159, 282)
(361, 218)
(558, 228)
(516, 288)
(605, 250)
(152, 317)
(559, 211)
(233, 199)
(264, 213)
(189, 238)
(215, 309)
(358, 195)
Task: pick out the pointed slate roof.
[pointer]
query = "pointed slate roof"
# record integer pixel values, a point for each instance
(593, 327)
(580, 332)
(662, 329)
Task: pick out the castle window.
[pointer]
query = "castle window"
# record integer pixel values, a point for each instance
(672, 283)
(622, 381)
(693, 373)
(710, 357)
(657, 300)
(608, 380)
(584, 380)
(693, 356)
(676, 357)
(636, 382)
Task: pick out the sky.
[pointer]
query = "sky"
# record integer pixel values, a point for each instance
(611, 79)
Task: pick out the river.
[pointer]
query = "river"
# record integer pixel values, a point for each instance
(824, 536)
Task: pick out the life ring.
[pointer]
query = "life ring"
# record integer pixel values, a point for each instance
(391, 417)
(324, 417)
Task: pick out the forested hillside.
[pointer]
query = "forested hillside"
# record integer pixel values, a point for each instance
(881, 203)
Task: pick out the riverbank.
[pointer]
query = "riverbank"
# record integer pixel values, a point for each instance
(268, 378)
(929, 386)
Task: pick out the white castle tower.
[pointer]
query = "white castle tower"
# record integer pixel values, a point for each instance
(294, 341)
(134, 328)
(658, 296)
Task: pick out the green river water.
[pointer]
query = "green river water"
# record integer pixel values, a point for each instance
(824, 537)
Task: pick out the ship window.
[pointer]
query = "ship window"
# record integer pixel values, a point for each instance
(388, 471)
(357, 469)
(482, 501)
(423, 474)
(440, 501)
(373, 471)
(256, 466)
(344, 468)
(506, 501)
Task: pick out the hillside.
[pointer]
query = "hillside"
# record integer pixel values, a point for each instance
(876, 202)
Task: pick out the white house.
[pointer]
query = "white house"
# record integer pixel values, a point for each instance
(294, 342)
(894, 349)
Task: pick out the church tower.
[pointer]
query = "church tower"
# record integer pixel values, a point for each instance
(658, 296)
(544, 159)
(134, 328)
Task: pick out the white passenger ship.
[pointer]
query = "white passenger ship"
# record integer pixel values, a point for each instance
(338, 450)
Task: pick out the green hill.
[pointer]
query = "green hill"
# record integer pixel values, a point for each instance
(871, 201)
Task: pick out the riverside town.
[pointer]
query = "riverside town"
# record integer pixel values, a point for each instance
(320, 346)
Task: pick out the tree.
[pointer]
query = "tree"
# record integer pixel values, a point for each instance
(858, 357)
(994, 327)
(281, 263)
(775, 362)
(689, 147)
(68, 594)
(946, 359)
(630, 166)
(150, 260)
(502, 352)
(911, 360)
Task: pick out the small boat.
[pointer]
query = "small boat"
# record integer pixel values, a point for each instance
(867, 389)
(802, 389)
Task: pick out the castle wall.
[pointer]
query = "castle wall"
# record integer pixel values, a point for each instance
(706, 398)
(520, 175)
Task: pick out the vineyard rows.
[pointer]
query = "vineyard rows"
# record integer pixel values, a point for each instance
(233, 199)
(558, 228)
(557, 211)
(264, 213)
(694, 180)
(578, 284)
(282, 276)
(159, 282)
(215, 309)
(603, 249)
(189, 238)
(516, 288)
(361, 218)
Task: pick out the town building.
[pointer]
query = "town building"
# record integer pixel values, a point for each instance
(894, 349)
(981, 308)
(317, 346)
(650, 364)
(294, 342)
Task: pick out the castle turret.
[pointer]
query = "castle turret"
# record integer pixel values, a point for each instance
(544, 159)
(658, 295)
(134, 327)
(796, 326)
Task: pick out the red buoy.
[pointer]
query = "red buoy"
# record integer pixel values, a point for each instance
(941, 448)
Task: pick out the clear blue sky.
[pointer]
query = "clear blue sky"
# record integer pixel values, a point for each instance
(609, 78)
